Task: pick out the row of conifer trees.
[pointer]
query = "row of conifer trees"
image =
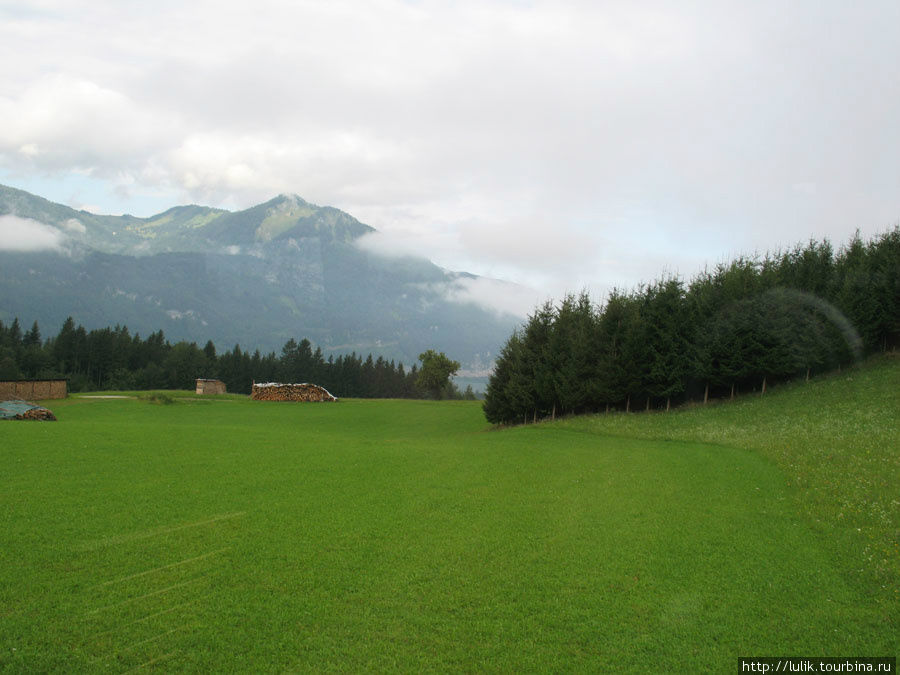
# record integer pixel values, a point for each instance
(736, 328)
(113, 358)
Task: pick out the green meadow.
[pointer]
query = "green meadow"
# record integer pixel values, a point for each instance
(178, 533)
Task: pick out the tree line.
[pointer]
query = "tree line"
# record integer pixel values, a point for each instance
(114, 359)
(736, 328)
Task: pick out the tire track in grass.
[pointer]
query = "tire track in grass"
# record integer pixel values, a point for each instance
(162, 567)
(135, 619)
(156, 531)
(160, 613)
(156, 614)
(146, 664)
(143, 597)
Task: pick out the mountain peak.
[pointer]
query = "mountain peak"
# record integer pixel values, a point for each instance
(193, 228)
(282, 269)
(292, 197)
(289, 199)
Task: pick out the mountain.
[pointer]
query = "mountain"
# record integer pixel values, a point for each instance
(257, 277)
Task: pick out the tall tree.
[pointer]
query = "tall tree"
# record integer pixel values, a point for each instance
(14, 335)
(533, 381)
(670, 340)
(210, 351)
(573, 365)
(64, 347)
(32, 338)
(509, 396)
(609, 352)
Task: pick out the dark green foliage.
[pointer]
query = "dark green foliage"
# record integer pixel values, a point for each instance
(570, 364)
(738, 328)
(506, 396)
(111, 358)
(8, 369)
(158, 398)
(867, 289)
(435, 373)
(533, 385)
(617, 340)
(669, 341)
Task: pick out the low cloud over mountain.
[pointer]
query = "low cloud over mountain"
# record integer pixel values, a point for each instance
(285, 268)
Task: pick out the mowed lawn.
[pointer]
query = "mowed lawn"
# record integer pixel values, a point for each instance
(231, 535)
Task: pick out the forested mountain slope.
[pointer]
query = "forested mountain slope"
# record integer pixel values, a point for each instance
(258, 277)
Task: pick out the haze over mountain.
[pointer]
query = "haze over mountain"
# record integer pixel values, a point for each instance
(285, 268)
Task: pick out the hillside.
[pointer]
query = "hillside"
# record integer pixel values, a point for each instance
(835, 441)
(257, 277)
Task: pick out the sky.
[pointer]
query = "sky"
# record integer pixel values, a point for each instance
(562, 146)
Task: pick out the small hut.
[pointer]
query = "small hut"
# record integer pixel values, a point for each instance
(210, 387)
(33, 390)
(275, 391)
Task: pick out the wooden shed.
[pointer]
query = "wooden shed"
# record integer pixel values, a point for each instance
(274, 391)
(33, 390)
(210, 387)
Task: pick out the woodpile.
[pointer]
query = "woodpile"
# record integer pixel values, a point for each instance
(22, 410)
(39, 414)
(274, 391)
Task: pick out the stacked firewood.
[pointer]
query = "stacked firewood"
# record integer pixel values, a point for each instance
(39, 414)
(23, 410)
(273, 391)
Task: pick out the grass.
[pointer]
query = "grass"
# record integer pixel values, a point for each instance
(837, 443)
(225, 534)
(160, 398)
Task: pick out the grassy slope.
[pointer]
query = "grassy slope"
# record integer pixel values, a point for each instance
(236, 535)
(837, 442)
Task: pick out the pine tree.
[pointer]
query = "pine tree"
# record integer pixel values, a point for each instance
(572, 364)
(32, 338)
(509, 396)
(533, 377)
(64, 353)
(210, 351)
(609, 349)
(669, 346)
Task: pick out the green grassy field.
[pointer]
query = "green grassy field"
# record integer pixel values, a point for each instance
(225, 534)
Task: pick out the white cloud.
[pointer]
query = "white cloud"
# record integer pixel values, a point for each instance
(561, 144)
(75, 225)
(408, 244)
(498, 296)
(66, 122)
(24, 234)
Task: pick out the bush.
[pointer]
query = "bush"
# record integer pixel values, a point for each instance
(157, 397)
